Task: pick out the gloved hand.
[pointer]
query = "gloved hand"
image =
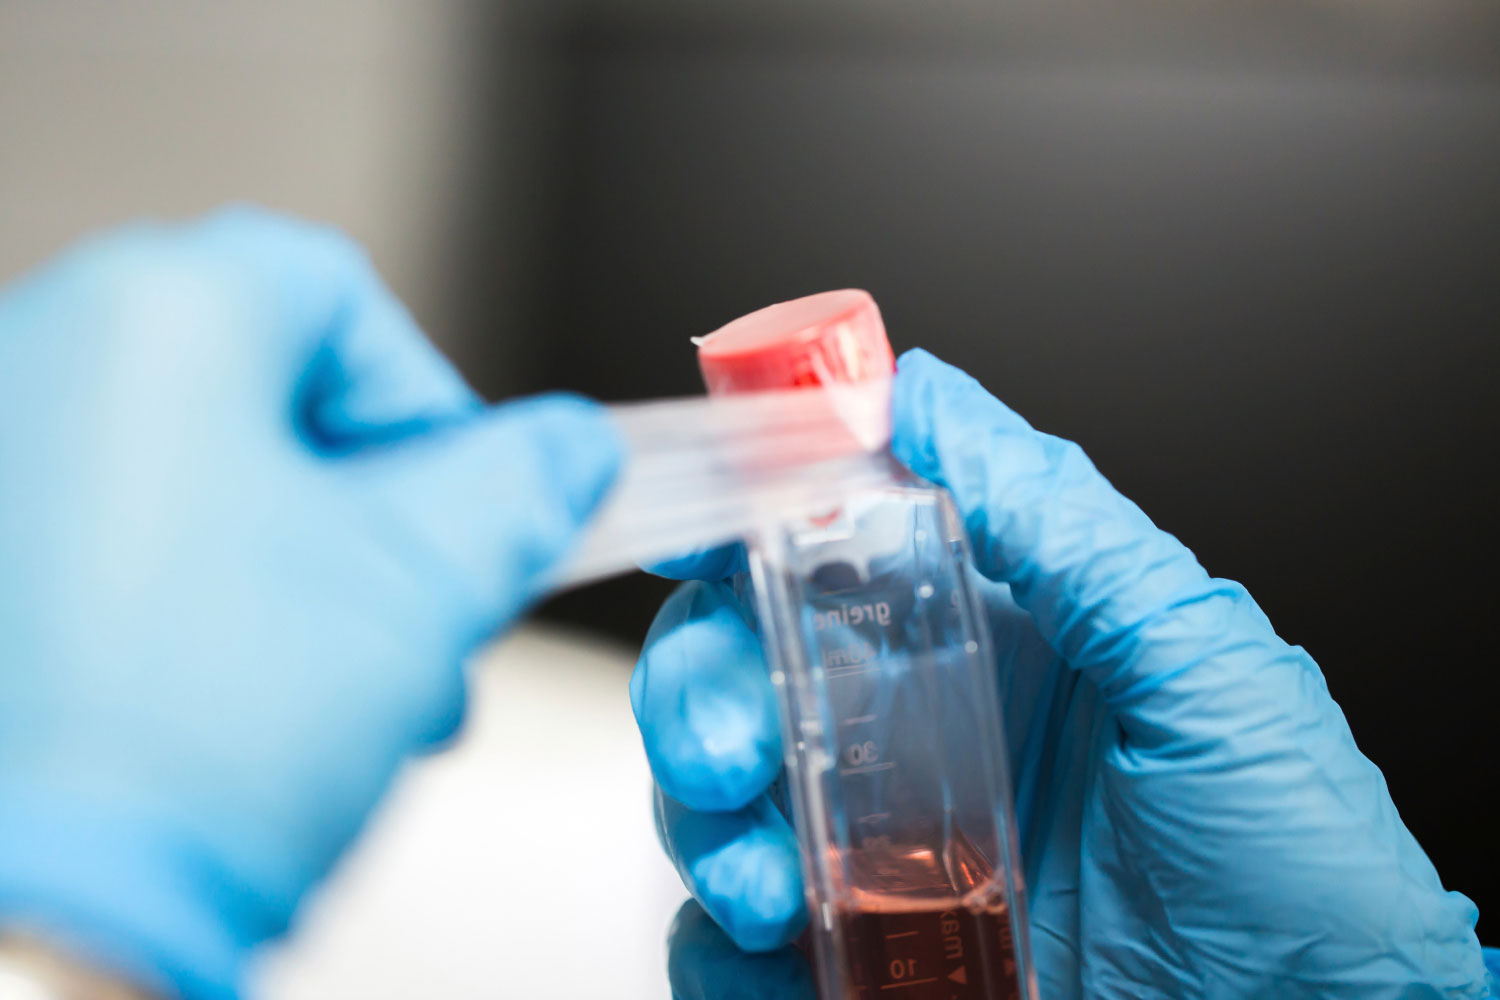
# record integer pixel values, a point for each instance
(251, 523)
(1194, 816)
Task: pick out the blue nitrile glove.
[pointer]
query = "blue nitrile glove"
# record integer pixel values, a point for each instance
(1195, 818)
(704, 964)
(251, 523)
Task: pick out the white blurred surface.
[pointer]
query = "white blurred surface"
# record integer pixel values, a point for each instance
(520, 863)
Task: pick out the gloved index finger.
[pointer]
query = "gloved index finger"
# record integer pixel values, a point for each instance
(1118, 598)
(705, 705)
(717, 563)
(359, 368)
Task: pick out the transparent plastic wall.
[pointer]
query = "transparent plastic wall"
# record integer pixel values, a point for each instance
(895, 756)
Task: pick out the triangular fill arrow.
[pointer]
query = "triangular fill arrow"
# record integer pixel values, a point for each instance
(958, 975)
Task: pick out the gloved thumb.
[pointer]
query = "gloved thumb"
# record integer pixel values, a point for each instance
(485, 508)
(1243, 770)
(1118, 598)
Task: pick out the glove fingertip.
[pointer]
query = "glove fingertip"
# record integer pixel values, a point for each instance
(716, 563)
(488, 506)
(580, 451)
(935, 409)
(753, 890)
(704, 706)
(744, 868)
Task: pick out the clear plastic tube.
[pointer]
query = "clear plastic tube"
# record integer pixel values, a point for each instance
(877, 646)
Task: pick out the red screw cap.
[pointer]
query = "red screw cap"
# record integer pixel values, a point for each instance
(828, 338)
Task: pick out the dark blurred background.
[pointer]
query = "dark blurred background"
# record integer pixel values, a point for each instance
(1248, 254)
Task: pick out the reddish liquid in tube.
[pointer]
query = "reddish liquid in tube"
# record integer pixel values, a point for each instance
(962, 953)
(932, 929)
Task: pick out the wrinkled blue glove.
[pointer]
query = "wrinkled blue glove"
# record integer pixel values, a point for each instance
(1194, 816)
(251, 523)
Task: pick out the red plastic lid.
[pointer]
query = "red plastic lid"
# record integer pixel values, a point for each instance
(826, 338)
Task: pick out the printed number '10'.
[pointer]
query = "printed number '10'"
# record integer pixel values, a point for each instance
(903, 968)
